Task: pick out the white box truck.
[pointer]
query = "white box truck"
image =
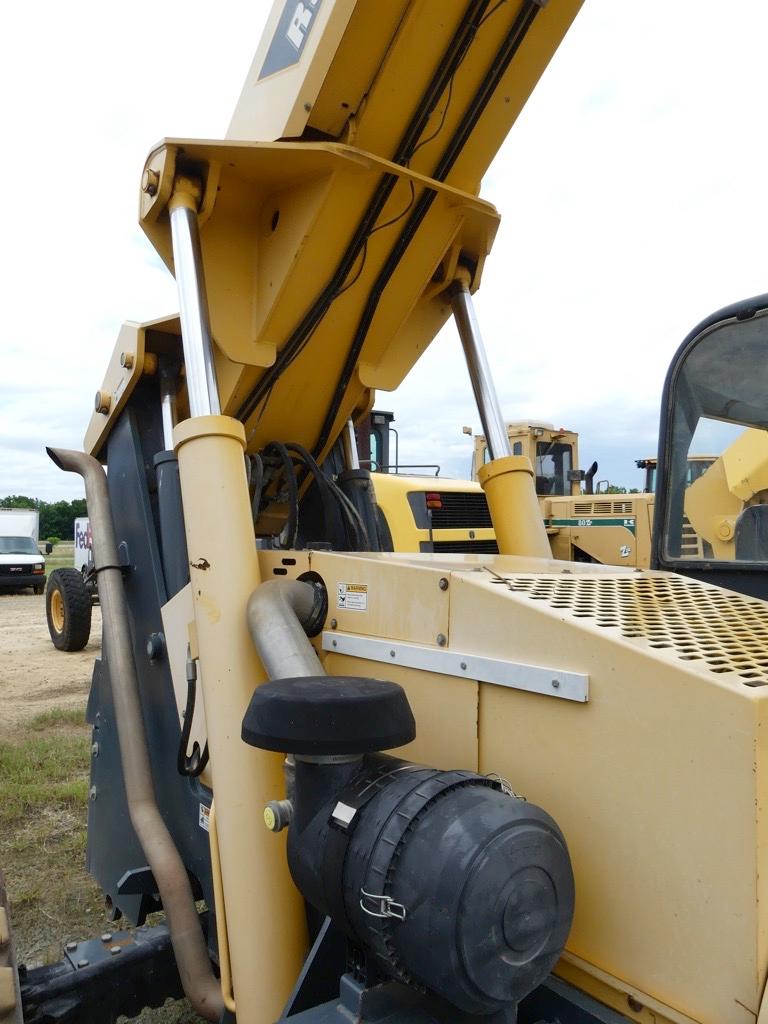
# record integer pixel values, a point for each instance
(21, 562)
(83, 544)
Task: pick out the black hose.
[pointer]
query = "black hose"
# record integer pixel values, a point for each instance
(256, 484)
(355, 524)
(458, 140)
(285, 462)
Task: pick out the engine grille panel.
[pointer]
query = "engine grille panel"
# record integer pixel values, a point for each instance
(725, 631)
(466, 547)
(610, 508)
(462, 510)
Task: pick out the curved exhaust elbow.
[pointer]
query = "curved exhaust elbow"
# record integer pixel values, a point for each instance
(279, 613)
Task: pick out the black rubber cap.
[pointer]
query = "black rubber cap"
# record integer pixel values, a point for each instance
(328, 715)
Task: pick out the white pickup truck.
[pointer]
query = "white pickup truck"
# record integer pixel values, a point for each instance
(21, 561)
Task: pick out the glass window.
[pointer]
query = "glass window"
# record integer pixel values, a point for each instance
(18, 546)
(553, 464)
(374, 467)
(717, 493)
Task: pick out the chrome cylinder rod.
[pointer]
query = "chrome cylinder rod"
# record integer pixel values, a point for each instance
(202, 386)
(351, 457)
(167, 408)
(488, 406)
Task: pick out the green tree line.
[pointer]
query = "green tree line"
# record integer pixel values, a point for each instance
(57, 518)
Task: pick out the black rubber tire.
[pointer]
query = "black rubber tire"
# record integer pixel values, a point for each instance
(73, 632)
(39, 588)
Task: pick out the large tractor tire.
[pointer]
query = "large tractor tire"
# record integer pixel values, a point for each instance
(10, 1000)
(68, 610)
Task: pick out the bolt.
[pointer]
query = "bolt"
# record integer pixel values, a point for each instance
(555, 684)
(82, 963)
(335, 643)
(334, 623)
(71, 947)
(391, 654)
(149, 182)
(443, 583)
(92, 793)
(441, 640)
(106, 937)
(307, 107)
(634, 1004)
(126, 360)
(102, 402)
(155, 646)
(463, 666)
(114, 950)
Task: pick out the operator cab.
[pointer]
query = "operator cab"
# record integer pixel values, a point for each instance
(712, 524)
(553, 453)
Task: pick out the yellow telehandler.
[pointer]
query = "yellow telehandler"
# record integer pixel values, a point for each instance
(366, 785)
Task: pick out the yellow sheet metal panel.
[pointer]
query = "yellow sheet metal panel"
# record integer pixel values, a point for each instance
(445, 709)
(419, 37)
(379, 597)
(119, 381)
(655, 781)
(135, 354)
(358, 71)
(291, 62)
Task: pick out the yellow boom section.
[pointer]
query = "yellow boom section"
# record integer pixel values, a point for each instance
(328, 257)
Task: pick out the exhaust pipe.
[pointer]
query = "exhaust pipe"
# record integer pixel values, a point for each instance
(280, 614)
(197, 978)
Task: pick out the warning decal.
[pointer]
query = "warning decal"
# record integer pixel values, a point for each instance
(205, 814)
(352, 597)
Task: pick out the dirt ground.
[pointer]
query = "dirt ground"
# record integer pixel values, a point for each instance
(34, 676)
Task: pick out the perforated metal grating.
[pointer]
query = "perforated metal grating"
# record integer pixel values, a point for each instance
(726, 631)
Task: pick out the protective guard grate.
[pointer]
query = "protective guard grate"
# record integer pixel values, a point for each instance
(726, 631)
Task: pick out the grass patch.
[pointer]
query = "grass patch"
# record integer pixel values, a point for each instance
(55, 717)
(43, 811)
(42, 771)
(62, 556)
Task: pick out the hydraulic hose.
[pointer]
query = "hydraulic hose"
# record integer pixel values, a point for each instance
(197, 978)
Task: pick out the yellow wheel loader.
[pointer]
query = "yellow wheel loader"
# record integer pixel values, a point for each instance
(367, 785)
(582, 525)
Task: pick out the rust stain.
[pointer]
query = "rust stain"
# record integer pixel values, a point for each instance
(211, 608)
(201, 563)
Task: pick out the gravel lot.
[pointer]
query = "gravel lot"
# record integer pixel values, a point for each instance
(34, 676)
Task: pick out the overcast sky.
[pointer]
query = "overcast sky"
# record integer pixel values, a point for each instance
(631, 193)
